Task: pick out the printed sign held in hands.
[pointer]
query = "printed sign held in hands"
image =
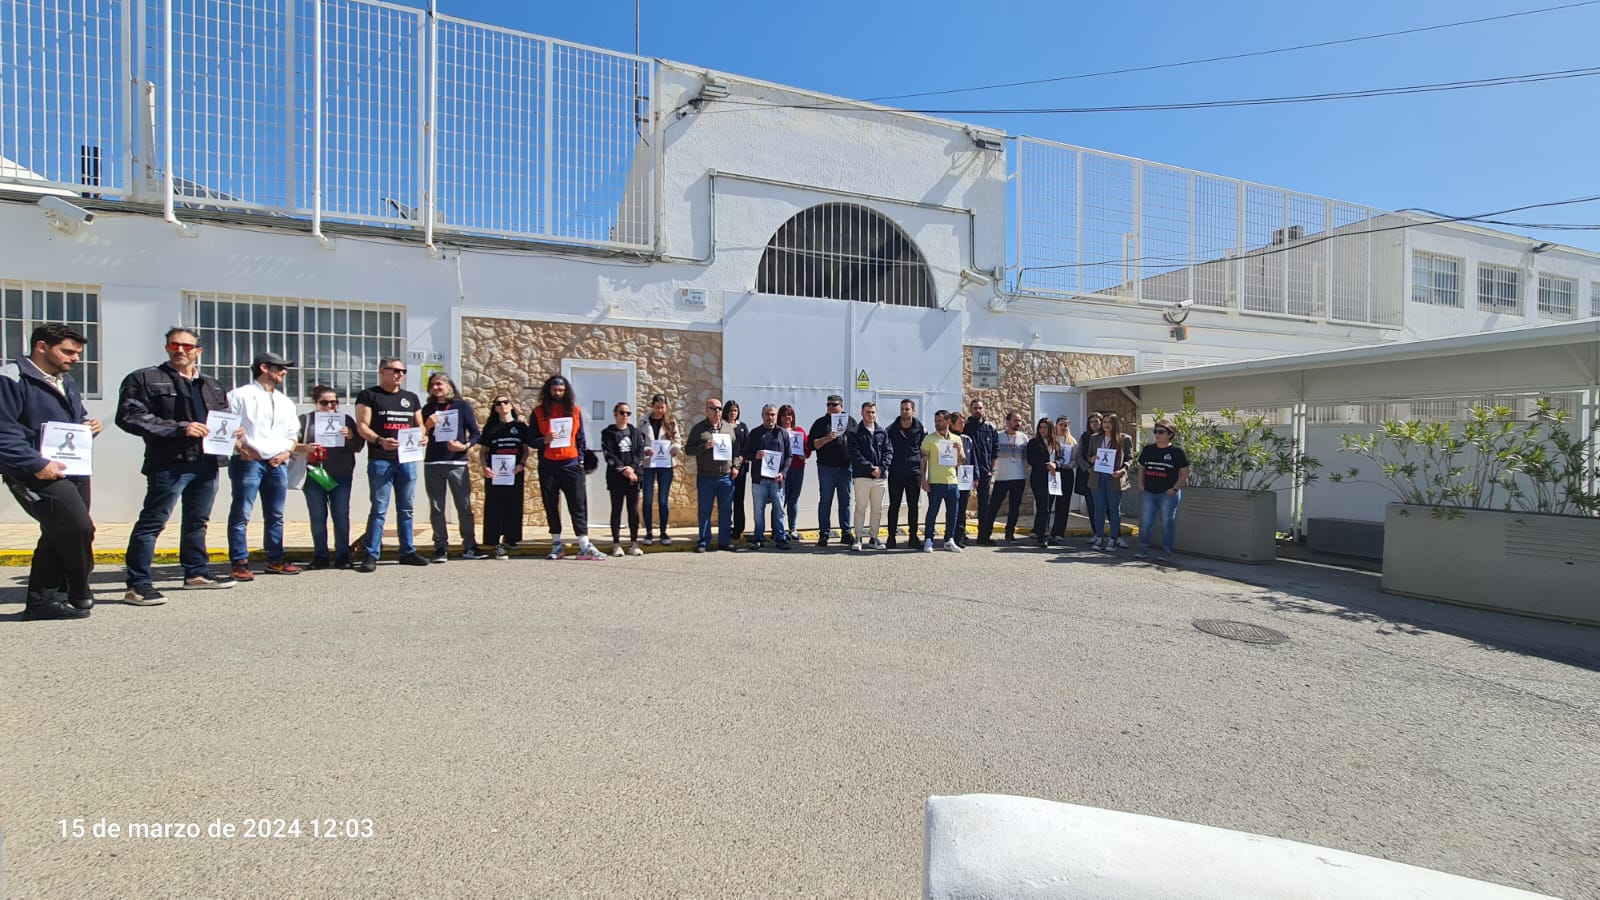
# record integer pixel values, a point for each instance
(722, 447)
(69, 444)
(560, 433)
(660, 454)
(504, 467)
(410, 445)
(447, 425)
(330, 429)
(1105, 460)
(220, 427)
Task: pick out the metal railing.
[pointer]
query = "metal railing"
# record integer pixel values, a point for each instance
(357, 111)
(1090, 223)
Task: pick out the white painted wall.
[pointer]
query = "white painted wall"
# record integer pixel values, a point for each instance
(1475, 245)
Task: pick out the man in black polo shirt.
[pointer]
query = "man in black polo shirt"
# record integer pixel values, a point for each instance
(381, 412)
(833, 471)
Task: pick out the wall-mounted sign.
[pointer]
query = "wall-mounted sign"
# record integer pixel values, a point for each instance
(692, 296)
(1188, 395)
(863, 383)
(985, 361)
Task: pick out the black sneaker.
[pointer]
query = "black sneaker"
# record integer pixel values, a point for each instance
(143, 595)
(319, 563)
(367, 565)
(413, 559)
(893, 544)
(822, 541)
(782, 545)
(474, 553)
(55, 609)
(500, 551)
(440, 556)
(342, 562)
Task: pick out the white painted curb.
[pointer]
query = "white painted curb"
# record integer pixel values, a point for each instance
(996, 847)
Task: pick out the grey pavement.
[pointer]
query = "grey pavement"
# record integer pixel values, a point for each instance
(766, 724)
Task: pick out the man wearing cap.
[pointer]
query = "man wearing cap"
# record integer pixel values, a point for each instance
(833, 471)
(260, 464)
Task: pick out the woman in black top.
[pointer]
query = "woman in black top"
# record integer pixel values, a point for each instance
(504, 435)
(741, 431)
(623, 446)
(1041, 454)
(1163, 471)
(340, 465)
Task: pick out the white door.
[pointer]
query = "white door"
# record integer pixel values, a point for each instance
(1060, 400)
(599, 386)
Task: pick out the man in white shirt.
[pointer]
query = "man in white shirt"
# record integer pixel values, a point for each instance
(260, 464)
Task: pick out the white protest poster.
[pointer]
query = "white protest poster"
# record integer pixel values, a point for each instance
(69, 444)
(841, 421)
(947, 453)
(447, 425)
(220, 427)
(722, 447)
(411, 449)
(770, 461)
(797, 443)
(660, 454)
(330, 429)
(1053, 484)
(1105, 460)
(964, 478)
(560, 433)
(504, 468)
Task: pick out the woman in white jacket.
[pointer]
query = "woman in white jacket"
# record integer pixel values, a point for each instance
(658, 426)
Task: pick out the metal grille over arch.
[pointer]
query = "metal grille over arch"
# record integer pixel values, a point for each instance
(840, 251)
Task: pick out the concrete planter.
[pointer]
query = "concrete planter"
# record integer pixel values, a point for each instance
(1523, 563)
(1241, 526)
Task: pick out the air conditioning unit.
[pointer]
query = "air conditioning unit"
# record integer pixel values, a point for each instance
(1292, 233)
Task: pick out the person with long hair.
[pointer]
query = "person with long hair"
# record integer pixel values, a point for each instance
(444, 468)
(624, 446)
(1042, 450)
(741, 433)
(558, 436)
(1066, 464)
(799, 449)
(657, 479)
(1107, 488)
(1085, 466)
(504, 435)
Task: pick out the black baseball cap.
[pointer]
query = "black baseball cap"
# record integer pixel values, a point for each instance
(271, 359)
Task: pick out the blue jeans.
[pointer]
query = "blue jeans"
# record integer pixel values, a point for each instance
(381, 473)
(319, 502)
(715, 489)
(770, 492)
(651, 481)
(1165, 506)
(198, 488)
(948, 496)
(833, 482)
(250, 477)
(1106, 506)
(791, 498)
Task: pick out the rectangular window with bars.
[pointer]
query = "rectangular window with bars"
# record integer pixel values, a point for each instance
(1499, 289)
(26, 305)
(1435, 279)
(1558, 297)
(337, 344)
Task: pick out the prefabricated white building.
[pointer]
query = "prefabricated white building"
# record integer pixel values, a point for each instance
(506, 206)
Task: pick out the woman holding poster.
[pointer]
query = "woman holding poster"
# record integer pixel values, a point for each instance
(1044, 478)
(799, 449)
(624, 448)
(558, 436)
(1109, 454)
(503, 445)
(660, 433)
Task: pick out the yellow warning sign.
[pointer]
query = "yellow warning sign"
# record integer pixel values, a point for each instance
(863, 383)
(1188, 395)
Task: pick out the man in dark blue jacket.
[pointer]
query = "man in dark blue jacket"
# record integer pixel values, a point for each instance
(768, 440)
(985, 447)
(905, 476)
(34, 391)
(871, 456)
(166, 405)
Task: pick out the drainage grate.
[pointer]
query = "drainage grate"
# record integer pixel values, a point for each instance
(1241, 631)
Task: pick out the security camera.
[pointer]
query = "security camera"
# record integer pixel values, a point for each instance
(972, 276)
(63, 215)
(1178, 312)
(1183, 304)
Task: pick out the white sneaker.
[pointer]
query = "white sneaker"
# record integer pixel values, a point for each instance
(649, 540)
(855, 546)
(1094, 544)
(587, 550)
(636, 550)
(877, 545)
(952, 546)
(557, 551)
(927, 546)
(616, 550)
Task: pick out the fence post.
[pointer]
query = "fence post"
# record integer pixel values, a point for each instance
(429, 126)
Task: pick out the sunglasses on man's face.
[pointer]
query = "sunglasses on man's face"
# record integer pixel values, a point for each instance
(395, 371)
(176, 346)
(333, 402)
(1162, 431)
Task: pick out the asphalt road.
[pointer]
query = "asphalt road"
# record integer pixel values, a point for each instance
(764, 724)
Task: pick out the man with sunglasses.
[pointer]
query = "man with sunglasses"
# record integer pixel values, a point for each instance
(166, 405)
(834, 482)
(381, 412)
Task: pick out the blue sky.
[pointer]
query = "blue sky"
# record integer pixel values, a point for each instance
(1463, 153)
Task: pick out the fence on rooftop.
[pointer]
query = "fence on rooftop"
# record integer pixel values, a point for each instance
(356, 111)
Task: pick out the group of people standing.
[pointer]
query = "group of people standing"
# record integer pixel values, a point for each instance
(192, 427)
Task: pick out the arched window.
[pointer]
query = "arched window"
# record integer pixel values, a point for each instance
(839, 251)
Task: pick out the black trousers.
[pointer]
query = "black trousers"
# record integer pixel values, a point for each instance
(1002, 491)
(1063, 504)
(64, 556)
(738, 500)
(908, 485)
(569, 480)
(625, 494)
(502, 512)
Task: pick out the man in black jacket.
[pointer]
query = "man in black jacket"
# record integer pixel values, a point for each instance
(905, 476)
(985, 447)
(833, 470)
(871, 456)
(34, 392)
(768, 439)
(166, 405)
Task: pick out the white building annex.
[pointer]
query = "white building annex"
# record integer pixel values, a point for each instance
(507, 206)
